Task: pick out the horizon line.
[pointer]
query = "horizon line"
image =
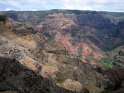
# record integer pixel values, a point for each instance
(63, 10)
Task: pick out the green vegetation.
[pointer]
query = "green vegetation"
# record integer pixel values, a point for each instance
(65, 73)
(89, 58)
(109, 45)
(60, 84)
(105, 91)
(73, 42)
(1, 25)
(51, 38)
(66, 58)
(2, 18)
(106, 62)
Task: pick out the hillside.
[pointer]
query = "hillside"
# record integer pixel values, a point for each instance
(75, 51)
(88, 33)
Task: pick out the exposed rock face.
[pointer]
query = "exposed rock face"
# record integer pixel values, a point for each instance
(72, 85)
(69, 58)
(15, 76)
(89, 24)
(24, 61)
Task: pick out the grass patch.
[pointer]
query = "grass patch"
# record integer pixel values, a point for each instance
(1, 26)
(60, 84)
(106, 62)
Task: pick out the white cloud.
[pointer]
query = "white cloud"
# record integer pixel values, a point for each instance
(8, 9)
(75, 4)
(76, 7)
(78, 1)
(99, 5)
(104, 5)
(12, 3)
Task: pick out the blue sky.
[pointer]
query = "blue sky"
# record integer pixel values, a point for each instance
(98, 5)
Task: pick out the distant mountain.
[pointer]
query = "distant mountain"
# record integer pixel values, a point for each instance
(101, 28)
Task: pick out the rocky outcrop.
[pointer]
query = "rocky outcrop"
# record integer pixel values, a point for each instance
(17, 77)
(25, 62)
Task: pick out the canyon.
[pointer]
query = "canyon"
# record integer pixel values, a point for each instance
(61, 51)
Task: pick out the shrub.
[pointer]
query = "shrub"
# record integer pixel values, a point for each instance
(2, 18)
(89, 58)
